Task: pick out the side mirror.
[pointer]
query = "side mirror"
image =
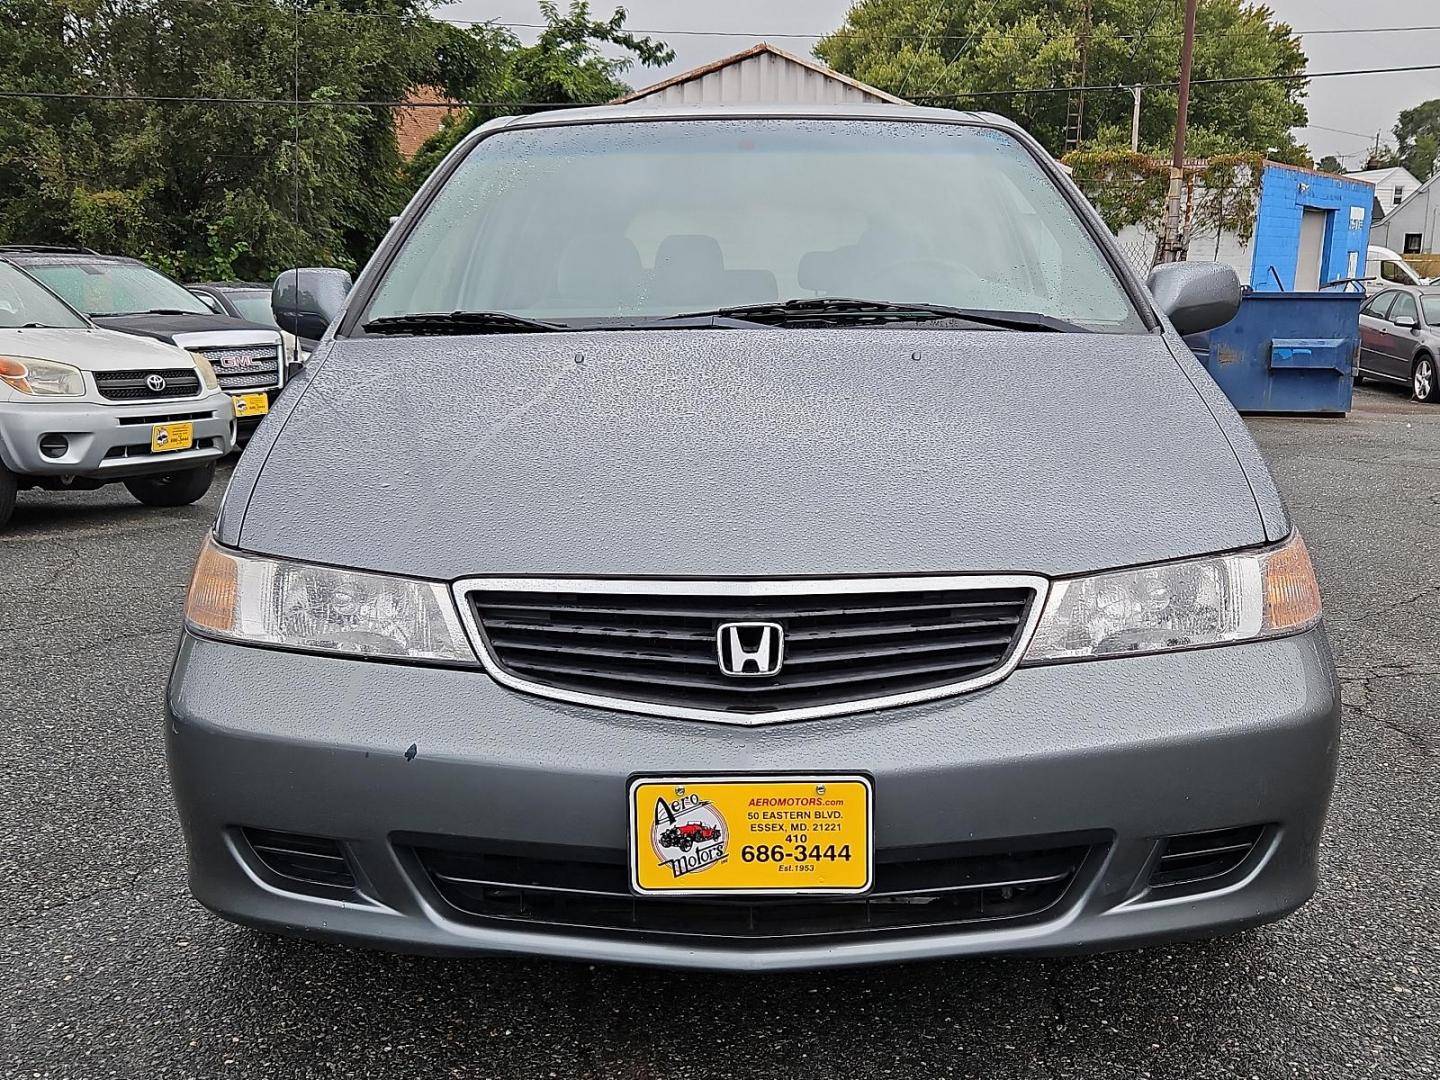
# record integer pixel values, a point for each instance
(1406, 322)
(306, 301)
(1195, 296)
(208, 300)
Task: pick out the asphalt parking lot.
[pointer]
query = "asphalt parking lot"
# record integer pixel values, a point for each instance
(108, 969)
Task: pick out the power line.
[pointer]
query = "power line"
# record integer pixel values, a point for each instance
(1025, 91)
(173, 99)
(319, 13)
(1219, 81)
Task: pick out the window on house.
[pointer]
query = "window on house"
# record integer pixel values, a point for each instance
(1412, 243)
(1399, 194)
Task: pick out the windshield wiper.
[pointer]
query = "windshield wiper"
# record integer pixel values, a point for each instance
(149, 311)
(459, 322)
(846, 311)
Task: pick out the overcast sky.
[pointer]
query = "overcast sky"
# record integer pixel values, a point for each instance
(1358, 106)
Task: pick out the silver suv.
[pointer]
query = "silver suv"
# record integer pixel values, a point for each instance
(81, 407)
(124, 294)
(754, 539)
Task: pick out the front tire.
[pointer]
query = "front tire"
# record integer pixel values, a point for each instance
(1423, 381)
(8, 487)
(173, 489)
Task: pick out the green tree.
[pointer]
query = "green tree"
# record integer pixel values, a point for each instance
(944, 52)
(1418, 133)
(1330, 164)
(564, 65)
(132, 157)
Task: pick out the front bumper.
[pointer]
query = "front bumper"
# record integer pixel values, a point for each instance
(1123, 751)
(112, 442)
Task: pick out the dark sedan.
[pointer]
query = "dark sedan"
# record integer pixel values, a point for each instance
(1400, 339)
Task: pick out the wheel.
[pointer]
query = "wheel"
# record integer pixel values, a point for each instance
(8, 486)
(1423, 381)
(173, 489)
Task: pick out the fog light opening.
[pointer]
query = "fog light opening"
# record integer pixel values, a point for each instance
(53, 445)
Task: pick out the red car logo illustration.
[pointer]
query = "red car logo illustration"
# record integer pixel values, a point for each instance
(688, 835)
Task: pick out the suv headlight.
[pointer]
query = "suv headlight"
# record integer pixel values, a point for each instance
(206, 370)
(294, 605)
(1179, 605)
(41, 378)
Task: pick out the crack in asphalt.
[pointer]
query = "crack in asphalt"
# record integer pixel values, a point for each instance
(91, 644)
(1365, 681)
(37, 914)
(1391, 608)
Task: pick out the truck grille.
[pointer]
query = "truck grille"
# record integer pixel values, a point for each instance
(244, 367)
(872, 644)
(135, 385)
(572, 889)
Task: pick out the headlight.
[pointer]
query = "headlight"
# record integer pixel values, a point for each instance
(42, 378)
(1180, 605)
(296, 605)
(206, 370)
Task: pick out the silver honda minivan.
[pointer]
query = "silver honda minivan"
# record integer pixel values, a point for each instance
(754, 540)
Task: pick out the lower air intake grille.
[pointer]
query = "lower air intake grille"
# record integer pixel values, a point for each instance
(312, 861)
(1199, 861)
(838, 649)
(571, 890)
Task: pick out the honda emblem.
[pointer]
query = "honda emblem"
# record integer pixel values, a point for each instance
(750, 649)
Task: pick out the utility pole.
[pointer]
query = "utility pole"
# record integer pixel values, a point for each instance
(1173, 243)
(1135, 120)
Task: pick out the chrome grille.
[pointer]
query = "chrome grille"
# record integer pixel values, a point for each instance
(848, 646)
(244, 367)
(134, 385)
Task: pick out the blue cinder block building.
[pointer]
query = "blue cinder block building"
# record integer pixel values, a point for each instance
(1311, 229)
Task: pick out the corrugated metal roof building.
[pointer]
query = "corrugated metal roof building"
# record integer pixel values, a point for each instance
(760, 75)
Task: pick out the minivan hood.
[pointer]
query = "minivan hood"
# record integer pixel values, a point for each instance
(749, 453)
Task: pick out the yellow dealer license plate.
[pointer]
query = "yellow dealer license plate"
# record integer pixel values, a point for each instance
(727, 835)
(247, 405)
(167, 437)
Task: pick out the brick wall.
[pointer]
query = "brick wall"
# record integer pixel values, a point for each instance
(414, 125)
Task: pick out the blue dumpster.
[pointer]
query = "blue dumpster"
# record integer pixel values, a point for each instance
(1287, 352)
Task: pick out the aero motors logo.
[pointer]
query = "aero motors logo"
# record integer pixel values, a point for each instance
(688, 834)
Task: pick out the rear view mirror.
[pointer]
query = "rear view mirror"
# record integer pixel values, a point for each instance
(1406, 322)
(1195, 296)
(306, 301)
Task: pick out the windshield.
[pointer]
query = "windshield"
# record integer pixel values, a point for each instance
(619, 220)
(24, 303)
(1431, 307)
(116, 288)
(254, 306)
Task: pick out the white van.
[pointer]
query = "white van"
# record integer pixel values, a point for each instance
(1384, 268)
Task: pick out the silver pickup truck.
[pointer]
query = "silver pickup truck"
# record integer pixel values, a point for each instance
(81, 406)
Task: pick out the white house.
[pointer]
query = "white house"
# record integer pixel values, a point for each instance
(758, 75)
(1392, 187)
(1412, 227)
